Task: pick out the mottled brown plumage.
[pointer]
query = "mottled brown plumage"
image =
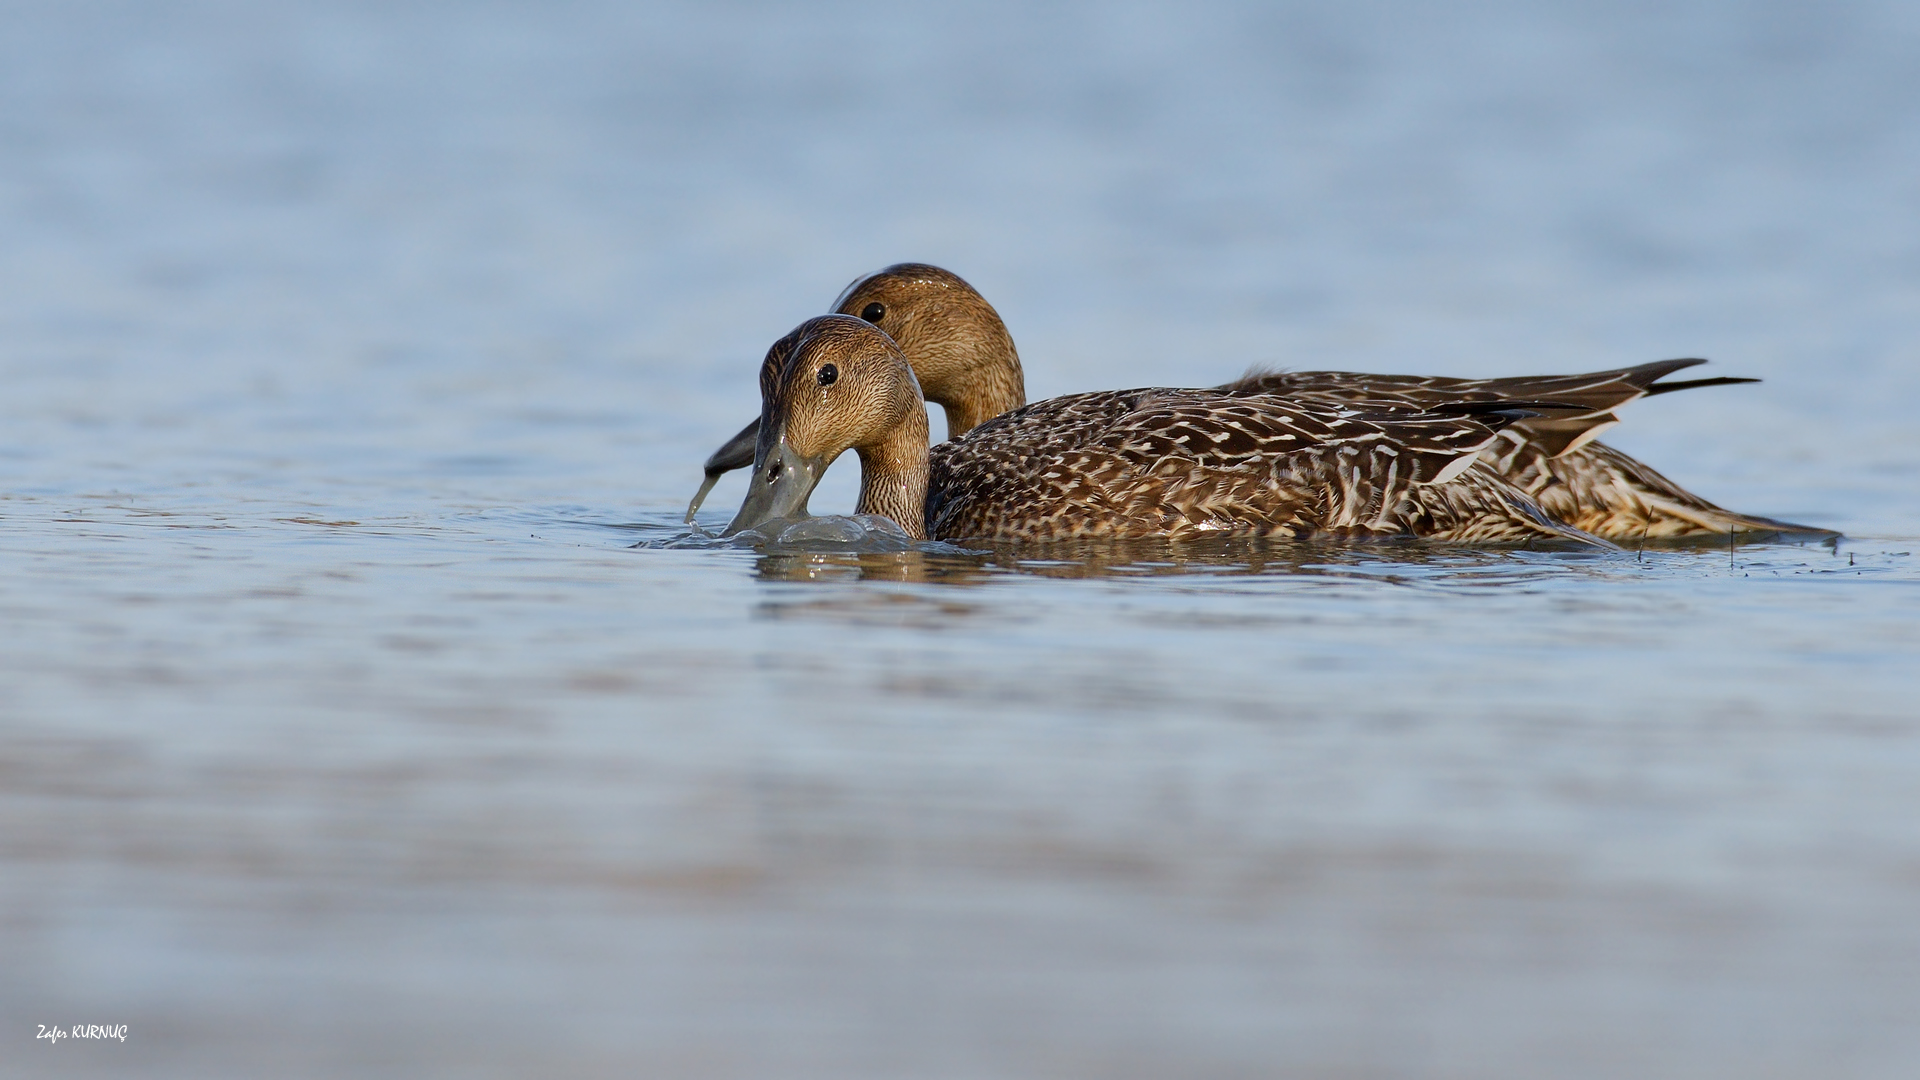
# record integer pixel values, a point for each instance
(1597, 393)
(1605, 492)
(1182, 464)
(965, 361)
(1152, 462)
(1584, 483)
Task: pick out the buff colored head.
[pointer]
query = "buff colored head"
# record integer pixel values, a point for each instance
(836, 384)
(960, 350)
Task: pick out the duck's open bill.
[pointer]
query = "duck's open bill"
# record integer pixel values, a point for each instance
(781, 485)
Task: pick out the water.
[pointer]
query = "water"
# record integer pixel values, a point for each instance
(360, 712)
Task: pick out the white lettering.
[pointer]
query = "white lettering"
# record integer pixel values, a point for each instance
(81, 1031)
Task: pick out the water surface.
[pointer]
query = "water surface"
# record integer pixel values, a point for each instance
(359, 714)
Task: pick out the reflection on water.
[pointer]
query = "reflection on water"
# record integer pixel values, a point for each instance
(1393, 561)
(910, 566)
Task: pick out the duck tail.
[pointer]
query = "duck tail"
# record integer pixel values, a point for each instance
(1627, 500)
(1657, 389)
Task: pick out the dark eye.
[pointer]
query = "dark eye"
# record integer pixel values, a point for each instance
(828, 373)
(873, 313)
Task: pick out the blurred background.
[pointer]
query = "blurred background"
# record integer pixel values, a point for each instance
(346, 348)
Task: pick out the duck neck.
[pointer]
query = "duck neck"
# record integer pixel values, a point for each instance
(978, 382)
(893, 474)
(970, 412)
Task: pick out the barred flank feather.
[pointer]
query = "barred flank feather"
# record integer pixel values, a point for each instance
(1189, 463)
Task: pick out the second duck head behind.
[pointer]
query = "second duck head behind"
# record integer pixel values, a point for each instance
(956, 343)
(834, 384)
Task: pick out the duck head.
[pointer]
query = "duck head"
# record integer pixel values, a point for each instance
(837, 383)
(960, 350)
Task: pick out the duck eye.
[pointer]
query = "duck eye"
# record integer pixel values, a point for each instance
(828, 373)
(873, 313)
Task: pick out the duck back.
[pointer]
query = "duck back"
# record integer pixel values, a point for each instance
(1189, 463)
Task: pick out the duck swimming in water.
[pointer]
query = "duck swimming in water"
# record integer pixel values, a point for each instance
(965, 360)
(1166, 463)
(961, 353)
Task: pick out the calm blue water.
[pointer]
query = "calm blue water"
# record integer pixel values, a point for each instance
(349, 350)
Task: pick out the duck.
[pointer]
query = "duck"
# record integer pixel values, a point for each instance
(966, 362)
(962, 354)
(1155, 462)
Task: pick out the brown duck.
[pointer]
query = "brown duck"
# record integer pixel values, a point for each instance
(961, 352)
(966, 362)
(1155, 462)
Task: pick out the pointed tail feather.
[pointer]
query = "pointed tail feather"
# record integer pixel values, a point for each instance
(1694, 384)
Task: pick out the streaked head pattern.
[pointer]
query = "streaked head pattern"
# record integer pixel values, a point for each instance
(835, 384)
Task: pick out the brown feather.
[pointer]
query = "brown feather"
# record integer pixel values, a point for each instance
(1183, 464)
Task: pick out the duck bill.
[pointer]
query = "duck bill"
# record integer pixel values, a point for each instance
(782, 483)
(736, 454)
